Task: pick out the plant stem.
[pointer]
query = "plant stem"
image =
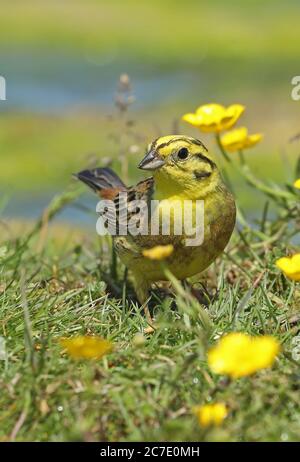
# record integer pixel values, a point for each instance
(242, 158)
(223, 152)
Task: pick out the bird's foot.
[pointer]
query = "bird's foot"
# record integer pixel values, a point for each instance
(149, 330)
(151, 326)
(201, 294)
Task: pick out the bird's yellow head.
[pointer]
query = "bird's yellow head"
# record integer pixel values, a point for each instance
(181, 167)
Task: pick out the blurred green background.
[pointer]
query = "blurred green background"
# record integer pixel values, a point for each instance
(62, 60)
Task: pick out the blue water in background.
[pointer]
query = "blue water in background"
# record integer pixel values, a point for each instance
(54, 83)
(30, 207)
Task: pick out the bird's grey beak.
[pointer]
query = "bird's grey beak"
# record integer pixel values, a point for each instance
(151, 161)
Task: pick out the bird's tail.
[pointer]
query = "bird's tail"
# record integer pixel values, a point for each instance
(101, 180)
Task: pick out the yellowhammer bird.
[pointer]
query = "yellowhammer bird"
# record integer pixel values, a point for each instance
(182, 171)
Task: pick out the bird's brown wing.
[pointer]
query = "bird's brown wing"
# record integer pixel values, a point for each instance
(127, 206)
(101, 180)
(121, 203)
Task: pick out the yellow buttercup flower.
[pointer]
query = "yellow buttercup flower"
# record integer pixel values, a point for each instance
(297, 184)
(238, 139)
(84, 347)
(214, 117)
(211, 414)
(290, 266)
(159, 252)
(239, 355)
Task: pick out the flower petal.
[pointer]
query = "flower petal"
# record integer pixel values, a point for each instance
(233, 113)
(252, 140)
(290, 266)
(239, 355)
(235, 139)
(211, 414)
(297, 184)
(210, 116)
(214, 117)
(216, 111)
(238, 139)
(85, 347)
(159, 252)
(191, 119)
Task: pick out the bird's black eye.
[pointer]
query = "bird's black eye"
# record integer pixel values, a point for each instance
(183, 153)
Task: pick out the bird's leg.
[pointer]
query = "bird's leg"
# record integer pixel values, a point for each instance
(185, 284)
(202, 296)
(142, 287)
(151, 328)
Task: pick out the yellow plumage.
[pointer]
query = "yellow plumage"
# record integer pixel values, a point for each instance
(182, 171)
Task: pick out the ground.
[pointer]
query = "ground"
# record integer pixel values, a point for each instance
(60, 285)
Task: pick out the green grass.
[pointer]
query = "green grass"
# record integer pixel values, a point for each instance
(60, 286)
